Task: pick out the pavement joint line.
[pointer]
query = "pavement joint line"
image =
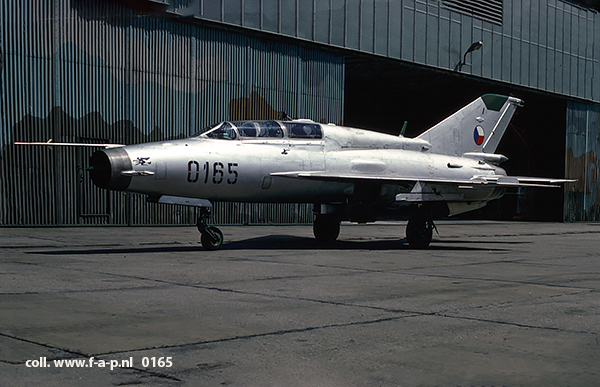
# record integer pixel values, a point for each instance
(529, 326)
(508, 303)
(28, 247)
(411, 313)
(521, 235)
(351, 271)
(220, 289)
(72, 291)
(148, 372)
(502, 281)
(244, 337)
(40, 344)
(80, 355)
(212, 287)
(348, 324)
(228, 290)
(358, 270)
(267, 334)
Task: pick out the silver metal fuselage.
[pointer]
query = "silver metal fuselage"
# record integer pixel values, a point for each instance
(271, 169)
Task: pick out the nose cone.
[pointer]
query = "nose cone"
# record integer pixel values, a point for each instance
(106, 166)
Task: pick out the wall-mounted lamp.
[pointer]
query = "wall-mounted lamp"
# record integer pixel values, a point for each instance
(474, 47)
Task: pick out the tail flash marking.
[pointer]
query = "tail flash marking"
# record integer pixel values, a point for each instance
(479, 135)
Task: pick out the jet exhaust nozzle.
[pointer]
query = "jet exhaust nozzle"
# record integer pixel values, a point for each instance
(106, 166)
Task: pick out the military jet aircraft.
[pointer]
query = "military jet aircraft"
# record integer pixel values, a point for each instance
(349, 174)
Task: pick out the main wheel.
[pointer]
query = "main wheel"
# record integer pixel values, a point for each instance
(326, 228)
(211, 239)
(419, 231)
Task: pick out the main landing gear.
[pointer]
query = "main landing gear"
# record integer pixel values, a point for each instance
(326, 228)
(211, 237)
(419, 229)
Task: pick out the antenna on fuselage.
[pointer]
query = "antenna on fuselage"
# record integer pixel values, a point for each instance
(403, 128)
(285, 117)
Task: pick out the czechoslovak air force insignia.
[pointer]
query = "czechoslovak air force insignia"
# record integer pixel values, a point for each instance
(478, 135)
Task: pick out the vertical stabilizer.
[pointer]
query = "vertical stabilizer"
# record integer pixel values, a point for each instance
(478, 127)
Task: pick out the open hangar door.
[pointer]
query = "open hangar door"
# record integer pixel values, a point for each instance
(382, 94)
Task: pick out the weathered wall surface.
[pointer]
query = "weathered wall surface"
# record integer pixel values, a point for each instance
(582, 199)
(550, 45)
(100, 72)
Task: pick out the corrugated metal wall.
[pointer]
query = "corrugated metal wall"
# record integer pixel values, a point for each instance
(98, 72)
(582, 199)
(547, 45)
(551, 45)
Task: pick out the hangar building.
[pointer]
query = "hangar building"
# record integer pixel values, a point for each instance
(129, 71)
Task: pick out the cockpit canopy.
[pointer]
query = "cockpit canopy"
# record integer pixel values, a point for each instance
(231, 130)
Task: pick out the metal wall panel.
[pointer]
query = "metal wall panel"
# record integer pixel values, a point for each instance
(395, 30)
(352, 24)
(582, 162)
(550, 45)
(366, 24)
(421, 53)
(288, 17)
(269, 15)
(97, 72)
(337, 25)
(408, 32)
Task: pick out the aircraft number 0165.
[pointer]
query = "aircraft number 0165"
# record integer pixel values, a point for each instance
(218, 174)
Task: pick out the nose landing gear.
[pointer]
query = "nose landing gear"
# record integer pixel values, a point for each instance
(211, 237)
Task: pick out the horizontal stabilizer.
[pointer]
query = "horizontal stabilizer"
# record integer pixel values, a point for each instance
(526, 181)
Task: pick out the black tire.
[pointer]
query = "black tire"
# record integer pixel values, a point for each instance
(326, 228)
(212, 240)
(419, 231)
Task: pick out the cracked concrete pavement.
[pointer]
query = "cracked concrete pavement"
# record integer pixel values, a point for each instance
(490, 303)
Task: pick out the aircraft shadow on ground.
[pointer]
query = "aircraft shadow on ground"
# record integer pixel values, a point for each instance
(285, 242)
(290, 242)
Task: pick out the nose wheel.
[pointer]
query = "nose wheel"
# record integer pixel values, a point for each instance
(210, 236)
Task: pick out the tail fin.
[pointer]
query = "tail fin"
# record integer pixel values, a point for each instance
(478, 127)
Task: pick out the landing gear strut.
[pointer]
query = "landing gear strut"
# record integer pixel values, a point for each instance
(211, 237)
(419, 230)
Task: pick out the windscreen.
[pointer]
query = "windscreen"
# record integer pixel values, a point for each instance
(222, 131)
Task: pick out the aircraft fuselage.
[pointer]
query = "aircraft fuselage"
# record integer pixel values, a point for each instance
(253, 169)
